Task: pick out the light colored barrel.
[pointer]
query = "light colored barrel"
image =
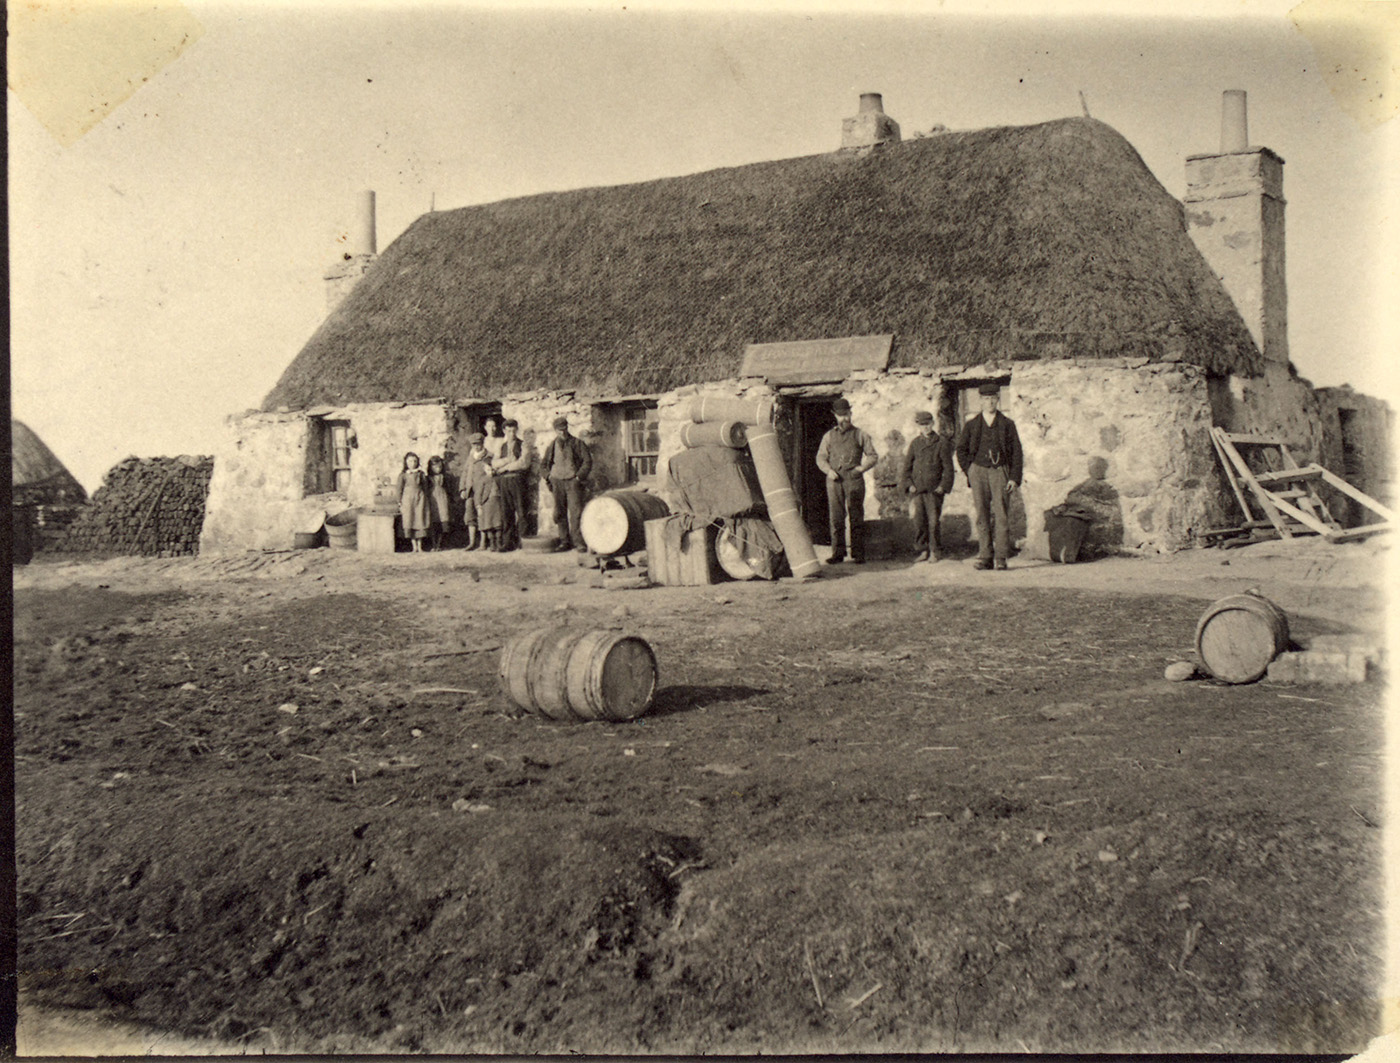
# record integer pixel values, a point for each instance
(782, 502)
(746, 411)
(579, 674)
(615, 522)
(1238, 636)
(730, 558)
(714, 433)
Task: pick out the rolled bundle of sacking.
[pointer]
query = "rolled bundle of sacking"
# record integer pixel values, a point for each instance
(746, 411)
(782, 501)
(714, 433)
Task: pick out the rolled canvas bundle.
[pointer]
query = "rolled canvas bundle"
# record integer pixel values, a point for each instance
(746, 411)
(714, 433)
(782, 501)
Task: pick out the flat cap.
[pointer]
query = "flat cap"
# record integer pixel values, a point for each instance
(476, 437)
(561, 422)
(923, 417)
(989, 389)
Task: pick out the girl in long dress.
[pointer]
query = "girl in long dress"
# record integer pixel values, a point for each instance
(439, 515)
(413, 502)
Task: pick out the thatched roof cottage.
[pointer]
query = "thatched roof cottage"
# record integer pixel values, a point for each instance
(899, 273)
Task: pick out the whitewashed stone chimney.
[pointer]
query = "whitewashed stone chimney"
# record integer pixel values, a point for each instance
(357, 254)
(1234, 213)
(871, 127)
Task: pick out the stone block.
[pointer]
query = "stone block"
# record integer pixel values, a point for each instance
(1316, 666)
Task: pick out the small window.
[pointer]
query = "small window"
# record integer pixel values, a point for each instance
(641, 441)
(339, 455)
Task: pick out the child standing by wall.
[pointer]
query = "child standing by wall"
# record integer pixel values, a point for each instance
(439, 512)
(484, 494)
(413, 502)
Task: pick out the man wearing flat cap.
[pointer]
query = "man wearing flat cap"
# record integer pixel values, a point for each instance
(926, 475)
(989, 453)
(845, 455)
(566, 465)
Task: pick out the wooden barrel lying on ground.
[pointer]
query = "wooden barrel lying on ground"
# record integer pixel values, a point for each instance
(714, 433)
(615, 522)
(1238, 636)
(570, 673)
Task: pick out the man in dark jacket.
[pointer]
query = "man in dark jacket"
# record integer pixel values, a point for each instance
(566, 465)
(989, 452)
(926, 476)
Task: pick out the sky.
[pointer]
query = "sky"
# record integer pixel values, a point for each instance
(167, 262)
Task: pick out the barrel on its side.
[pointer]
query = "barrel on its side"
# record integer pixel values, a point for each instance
(714, 433)
(746, 411)
(615, 522)
(1238, 636)
(570, 673)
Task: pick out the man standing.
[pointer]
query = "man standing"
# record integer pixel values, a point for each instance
(989, 452)
(511, 468)
(493, 441)
(845, 454)
(566, 465)
(926, 476)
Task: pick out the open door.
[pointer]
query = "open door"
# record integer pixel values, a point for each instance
(811, 419)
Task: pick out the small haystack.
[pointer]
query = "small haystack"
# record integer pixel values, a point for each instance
(148, 506)
(45, 497)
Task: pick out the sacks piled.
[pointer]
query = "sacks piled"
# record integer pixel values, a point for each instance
(731, 475)
(148, 506)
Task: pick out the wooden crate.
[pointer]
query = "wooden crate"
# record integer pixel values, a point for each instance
(693, 565)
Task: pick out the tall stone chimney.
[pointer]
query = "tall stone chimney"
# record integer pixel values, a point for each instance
(357, 255)
(1234, 213)
(871, 127)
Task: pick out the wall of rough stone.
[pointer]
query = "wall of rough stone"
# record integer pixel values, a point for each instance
(1145, 426)
(1358, 434)
(256, 492)
(257, 495)
(1276, 403)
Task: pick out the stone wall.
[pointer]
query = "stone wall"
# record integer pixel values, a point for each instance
(1144, 429)
(1358, 433)
(258, 497)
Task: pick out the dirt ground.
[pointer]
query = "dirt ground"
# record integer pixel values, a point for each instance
(278, 802)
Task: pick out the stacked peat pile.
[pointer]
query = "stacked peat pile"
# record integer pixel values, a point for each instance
(149, 506)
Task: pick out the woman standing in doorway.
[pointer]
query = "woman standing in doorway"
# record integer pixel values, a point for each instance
(413, 502)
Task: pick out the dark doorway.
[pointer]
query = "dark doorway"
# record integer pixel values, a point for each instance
(811, 419)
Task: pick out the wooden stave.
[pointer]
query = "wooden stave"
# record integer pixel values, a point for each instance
(1257, 607)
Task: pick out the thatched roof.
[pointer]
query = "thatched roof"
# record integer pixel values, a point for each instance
(1043, 241)
(34, 467)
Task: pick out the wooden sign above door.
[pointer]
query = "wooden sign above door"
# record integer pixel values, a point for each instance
(816, 361)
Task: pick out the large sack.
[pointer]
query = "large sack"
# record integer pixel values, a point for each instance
(714, 482)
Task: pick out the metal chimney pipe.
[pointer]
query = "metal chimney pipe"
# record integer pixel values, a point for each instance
(1234, 122)
(871, 102)
(362, 234)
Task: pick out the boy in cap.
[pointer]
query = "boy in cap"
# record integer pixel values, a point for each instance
(477, 491)
(566, 465)
(927, 475)
(846, 454)
(989, 452)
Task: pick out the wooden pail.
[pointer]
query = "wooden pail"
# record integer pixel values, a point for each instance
(1238, 636)
(615, 522)
(569, 673)
(342, 529)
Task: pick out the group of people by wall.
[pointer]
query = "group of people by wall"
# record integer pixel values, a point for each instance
(987, 450)
(490, 495)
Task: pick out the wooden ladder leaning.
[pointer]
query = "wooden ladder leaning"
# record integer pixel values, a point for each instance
(1286, 494)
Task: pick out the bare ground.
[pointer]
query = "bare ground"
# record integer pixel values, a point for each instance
(893, 809)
